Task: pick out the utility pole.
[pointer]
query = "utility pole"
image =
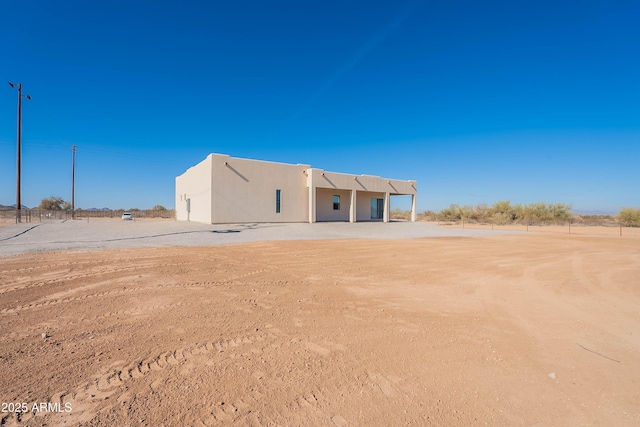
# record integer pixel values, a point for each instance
(19, 160)
(73, 180)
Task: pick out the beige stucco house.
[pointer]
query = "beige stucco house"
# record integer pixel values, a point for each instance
(224, 189)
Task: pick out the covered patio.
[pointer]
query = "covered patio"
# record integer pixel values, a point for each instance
(354, 198)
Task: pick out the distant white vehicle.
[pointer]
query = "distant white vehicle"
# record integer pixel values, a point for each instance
(127, 216)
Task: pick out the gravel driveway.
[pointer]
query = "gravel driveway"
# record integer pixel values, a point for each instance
(114, 234)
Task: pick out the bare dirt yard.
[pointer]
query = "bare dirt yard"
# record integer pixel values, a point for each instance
(529, 329)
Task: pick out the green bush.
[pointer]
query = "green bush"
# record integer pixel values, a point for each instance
(629, 217)
(551, 212)
(54, 203)
(452, 213)
(504, 212)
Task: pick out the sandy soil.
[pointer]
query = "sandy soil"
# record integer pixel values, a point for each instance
(589, 230)
(508, 330)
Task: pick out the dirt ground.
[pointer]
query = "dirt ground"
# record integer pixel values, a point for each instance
(530, 329)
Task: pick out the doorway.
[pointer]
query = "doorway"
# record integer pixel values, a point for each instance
(377, 208)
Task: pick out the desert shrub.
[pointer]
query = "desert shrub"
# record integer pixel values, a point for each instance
(536, 212)
(467, 213)
(452, 213)
(629, 217)
(518, 212)
(429, 215)
(501, 218)
(482, 212)
(606, 220)
(398, 213)
(54, 204)
(502, 212)
(559, 212)
(577, 219)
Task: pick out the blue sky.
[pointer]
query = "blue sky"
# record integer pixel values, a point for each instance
(478, 101)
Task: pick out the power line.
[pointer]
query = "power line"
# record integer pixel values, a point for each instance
(19, 151)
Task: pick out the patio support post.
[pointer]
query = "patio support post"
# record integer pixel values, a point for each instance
(385, 216)
(312, 196)
(352, 207)
(413, 207)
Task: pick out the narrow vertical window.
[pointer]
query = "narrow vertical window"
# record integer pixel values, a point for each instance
(336, 203)
(278, 201)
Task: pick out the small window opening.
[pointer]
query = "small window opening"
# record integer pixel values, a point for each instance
(278, 192)
(336, 203)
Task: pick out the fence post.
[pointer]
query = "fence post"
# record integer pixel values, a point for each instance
(620, 230)
(569, 227)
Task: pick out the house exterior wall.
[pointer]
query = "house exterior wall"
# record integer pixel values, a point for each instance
(224, 189)
(364, 204)
(244, 190)
(324, 205)
(195, 184)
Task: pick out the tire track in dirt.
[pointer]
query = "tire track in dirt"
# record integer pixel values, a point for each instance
(110, 384)
(304, 407)
(532, 272)
(67, 277)
(48, 303)
(249, 273)
(311, 402)
(270, 282)
(192, 284)
(627, 264)
(58, 272)
(36, 330)
(132, 311)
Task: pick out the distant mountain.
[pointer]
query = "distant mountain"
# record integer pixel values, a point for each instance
(96, 209)
(13, 206)
(594, 212)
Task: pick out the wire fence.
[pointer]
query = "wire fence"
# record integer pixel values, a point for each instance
(602, 228)
(37, 215)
